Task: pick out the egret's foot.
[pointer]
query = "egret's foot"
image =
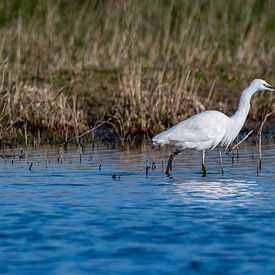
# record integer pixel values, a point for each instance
(203, 170)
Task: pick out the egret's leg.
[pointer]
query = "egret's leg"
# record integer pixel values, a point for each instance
(203, 166)
(171, 157)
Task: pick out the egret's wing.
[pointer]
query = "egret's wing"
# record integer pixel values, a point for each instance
(197, 128)
(206, 127)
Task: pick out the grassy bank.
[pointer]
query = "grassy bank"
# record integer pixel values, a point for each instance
(66, 66)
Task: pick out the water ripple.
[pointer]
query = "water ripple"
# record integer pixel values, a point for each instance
(72, 216)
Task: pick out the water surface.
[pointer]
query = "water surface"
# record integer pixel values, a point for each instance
(100, 212)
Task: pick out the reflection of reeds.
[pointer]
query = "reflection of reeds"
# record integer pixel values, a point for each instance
(162, 50)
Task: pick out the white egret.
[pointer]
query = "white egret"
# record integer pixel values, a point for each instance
(209, 129)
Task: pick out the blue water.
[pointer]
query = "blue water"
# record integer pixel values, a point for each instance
(101, 214)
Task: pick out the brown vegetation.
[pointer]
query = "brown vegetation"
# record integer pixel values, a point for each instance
(142, 65)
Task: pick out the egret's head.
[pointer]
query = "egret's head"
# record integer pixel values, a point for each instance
(260, 84)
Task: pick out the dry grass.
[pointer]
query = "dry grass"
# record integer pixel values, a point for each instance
(29, 109)
(150, 104)
(159, 61)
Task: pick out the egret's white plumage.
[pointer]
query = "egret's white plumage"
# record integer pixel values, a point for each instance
(200, 131)
(209, 129)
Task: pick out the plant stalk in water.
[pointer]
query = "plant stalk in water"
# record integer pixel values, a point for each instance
(260, 138)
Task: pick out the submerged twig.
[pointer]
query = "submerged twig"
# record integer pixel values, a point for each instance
(85, 133)
(146, 168)
(221, 162)
(154, 167)
(241, 141)
(264, 121)
(260, 138)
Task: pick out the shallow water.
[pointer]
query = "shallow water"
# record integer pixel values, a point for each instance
(102, 214)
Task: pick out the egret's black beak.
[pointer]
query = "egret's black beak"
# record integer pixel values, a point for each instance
(270, 87)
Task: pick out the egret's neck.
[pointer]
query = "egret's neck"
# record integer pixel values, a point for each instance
(242, 111)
